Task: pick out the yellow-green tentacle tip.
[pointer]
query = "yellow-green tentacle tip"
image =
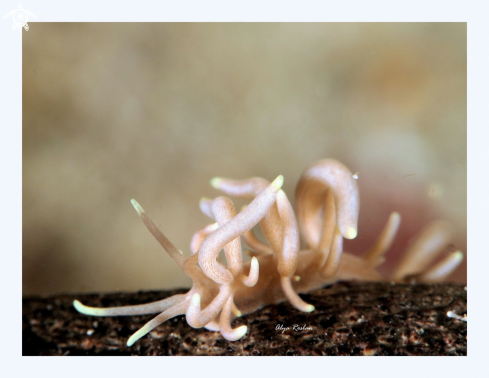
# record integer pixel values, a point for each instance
(137, 206)
(241, 331)
(351, 233)
(78, 306)
(131, 341)
(309, 308)
(204, 199)
(195, 301)
(215, 182)
(278, 182)
(82, 309)
(137, 335)
(458, 255)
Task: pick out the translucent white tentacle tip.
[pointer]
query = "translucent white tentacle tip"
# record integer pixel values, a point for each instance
(215, 182)
(458, 256)
(78, 306)
(236, 311)
(278, 182)
(204, 200)
(195, 301)
(254, 265)
(85, 310)
(131, 340)
(351, 233)
(240, 332)
(254, 273)
(309, 308)
(137, 206)
(135, 337)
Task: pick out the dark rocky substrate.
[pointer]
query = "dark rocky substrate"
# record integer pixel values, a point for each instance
(351, 318)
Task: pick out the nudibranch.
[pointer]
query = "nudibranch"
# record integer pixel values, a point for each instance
(326, 211)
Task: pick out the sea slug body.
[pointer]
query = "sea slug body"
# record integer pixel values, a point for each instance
(326, 211)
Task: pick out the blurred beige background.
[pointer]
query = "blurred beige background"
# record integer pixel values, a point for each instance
(152, 111)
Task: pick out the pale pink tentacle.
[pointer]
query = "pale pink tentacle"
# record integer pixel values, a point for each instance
(423, 250)
(289, 253)
(375, 255)
(328, 222)
(308, 212)
(174, 253)
(253, 275)
(331, 265)
(279, 224)
(245, 220)
(222, 210)
(235, 310)
(225, 323)
(250, 188)
(200, 235)
(293, 297)
(164, 316)
(258, 247)
(443, 269)
(213, 325)
(327, 228)
(198, 318)
(142, 309)
(313, 186)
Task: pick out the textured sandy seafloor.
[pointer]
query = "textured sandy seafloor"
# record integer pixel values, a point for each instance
(351, 318)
